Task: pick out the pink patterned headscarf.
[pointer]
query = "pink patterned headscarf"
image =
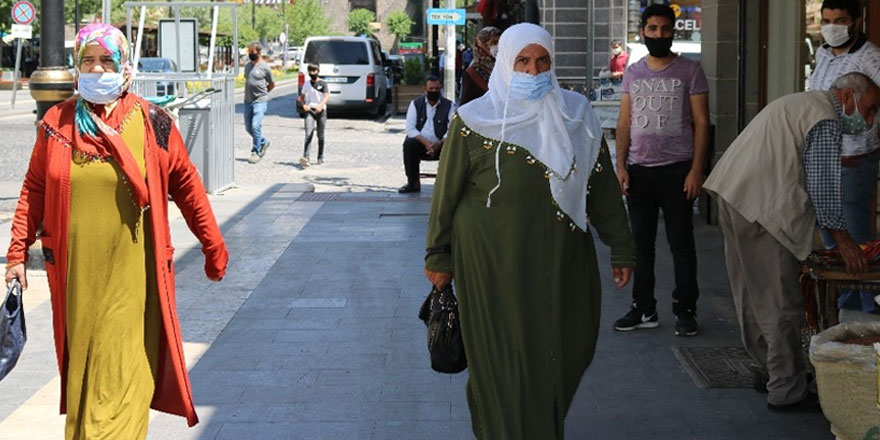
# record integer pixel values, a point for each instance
(109, 38)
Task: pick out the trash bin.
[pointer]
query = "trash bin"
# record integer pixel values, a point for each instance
(205, 118)
(846, 378)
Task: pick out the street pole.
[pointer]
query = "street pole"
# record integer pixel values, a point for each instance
(254, 14)
(77, 16)
(15, 73)
(286, 39)
(52, 82)
(449, 74)
(105, 16)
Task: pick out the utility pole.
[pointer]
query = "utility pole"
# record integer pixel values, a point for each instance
(52, 82)
(105, 11)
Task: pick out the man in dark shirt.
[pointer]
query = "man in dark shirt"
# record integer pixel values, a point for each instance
(258, 84)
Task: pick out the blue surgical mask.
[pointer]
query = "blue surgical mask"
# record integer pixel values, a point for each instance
(530, 87)
(855, 123)
(100, 88)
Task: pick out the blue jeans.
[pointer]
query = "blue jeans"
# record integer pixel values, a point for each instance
(253, 124)
(857, 184)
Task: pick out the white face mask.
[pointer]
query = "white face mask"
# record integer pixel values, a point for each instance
(493, 50)
(617, 50)
(835, 35)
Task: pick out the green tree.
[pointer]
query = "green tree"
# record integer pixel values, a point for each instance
(359, 21)
(400, 25)
(305, 18)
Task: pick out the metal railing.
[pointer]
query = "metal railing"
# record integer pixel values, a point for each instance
(204, 103)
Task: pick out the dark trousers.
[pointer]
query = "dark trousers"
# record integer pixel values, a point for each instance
(311, 121)
(413, 154)
(652, 189)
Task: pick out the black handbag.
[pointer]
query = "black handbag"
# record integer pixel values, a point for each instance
(440, 314)
(12, 330)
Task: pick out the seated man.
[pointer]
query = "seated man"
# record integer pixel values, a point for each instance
(426, 122)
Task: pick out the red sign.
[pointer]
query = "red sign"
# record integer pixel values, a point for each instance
(23, 12)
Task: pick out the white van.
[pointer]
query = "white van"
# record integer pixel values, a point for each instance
(352, 68)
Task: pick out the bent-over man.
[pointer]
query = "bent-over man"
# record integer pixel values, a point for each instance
(776, 181)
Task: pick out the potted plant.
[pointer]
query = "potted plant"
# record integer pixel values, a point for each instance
(412, 87)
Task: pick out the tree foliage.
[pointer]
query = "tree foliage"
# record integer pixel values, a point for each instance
(305, 18)
(359, 21)
(399, 24)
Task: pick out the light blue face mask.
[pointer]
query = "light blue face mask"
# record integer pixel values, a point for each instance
(100, 88)
(855, 123)
(530, 87)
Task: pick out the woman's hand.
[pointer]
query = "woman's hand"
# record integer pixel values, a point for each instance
(439, 279)
(621, 276)
(17, 271)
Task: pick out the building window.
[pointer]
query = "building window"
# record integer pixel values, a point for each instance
(369, 5)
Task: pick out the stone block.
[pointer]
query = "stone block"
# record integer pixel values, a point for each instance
(574, 3)
(572, 45)
(572, 30)
(571, 59)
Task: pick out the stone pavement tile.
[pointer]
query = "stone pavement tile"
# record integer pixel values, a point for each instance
(338, 360)
(424, 430)
(310, 393)
(331, 337)
(296, 431)
(370, 411)
(167, 427)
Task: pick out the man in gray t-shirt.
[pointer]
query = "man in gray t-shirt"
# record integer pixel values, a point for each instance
(258, 83)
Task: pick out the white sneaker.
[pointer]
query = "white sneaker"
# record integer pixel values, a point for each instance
(304, 162)
(254, 158)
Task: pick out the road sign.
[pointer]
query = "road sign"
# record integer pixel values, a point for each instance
(23, 12)
(282, 38)
(455, 17)
(22, 31)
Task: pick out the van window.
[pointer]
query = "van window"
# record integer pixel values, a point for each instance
(337, 52)
(377, 55)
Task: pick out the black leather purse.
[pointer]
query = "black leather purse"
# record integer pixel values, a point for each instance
(440, 314)
(13, 333)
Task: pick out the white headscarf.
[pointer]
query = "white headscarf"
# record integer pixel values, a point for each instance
(560, 129)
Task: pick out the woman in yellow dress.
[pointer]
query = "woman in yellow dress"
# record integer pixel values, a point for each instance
(98, 182)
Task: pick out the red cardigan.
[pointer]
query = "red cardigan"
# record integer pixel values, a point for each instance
(45, 201)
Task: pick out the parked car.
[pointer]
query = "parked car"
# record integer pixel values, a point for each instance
(353, 69)
(159, 65)
(294, 55)
(396, 67)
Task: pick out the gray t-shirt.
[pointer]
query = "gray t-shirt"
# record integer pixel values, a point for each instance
(256, 85)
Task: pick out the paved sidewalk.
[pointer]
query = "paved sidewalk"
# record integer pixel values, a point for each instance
(313, 335)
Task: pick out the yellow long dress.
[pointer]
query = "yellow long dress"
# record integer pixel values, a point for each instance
(113, 319)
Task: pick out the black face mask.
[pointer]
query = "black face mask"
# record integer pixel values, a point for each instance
(433, 96)
(253, 56)
(313, 76)
(658, 47)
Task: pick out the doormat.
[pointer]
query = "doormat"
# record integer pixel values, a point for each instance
(716, 367)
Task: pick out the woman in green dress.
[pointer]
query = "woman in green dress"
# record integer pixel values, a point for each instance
(524, 172)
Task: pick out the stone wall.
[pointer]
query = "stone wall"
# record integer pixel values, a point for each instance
(568, 22)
